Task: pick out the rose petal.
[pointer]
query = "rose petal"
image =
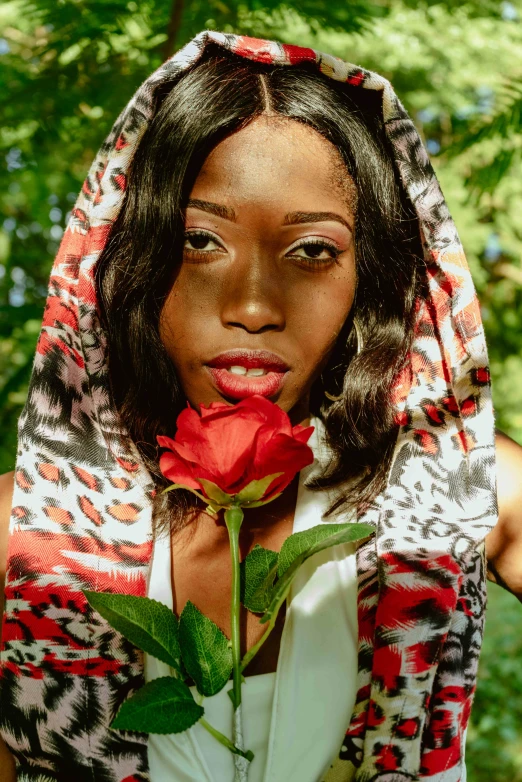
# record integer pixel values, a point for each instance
(302, 433)
(284, 453)
(261, 442)
(232, 412)
(176, 471)
(231, 440)
(232, 445)
(164, 442)
(273, 415)
(230, 433)
(257, 466)
(184, 452)
(192, 435)
(212, 407)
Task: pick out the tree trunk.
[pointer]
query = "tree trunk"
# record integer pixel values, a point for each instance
(173, 28)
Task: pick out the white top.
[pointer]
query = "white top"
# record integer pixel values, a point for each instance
(294, 719)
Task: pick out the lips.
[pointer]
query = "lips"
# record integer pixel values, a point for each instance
(236, 373)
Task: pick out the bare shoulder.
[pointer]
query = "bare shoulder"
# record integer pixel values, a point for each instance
(6, 492)
(504, 542)
(509, 480)
(6, 499)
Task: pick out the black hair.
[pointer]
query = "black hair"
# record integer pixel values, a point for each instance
(217, 96)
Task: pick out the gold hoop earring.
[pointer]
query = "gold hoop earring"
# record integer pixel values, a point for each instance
(358, 334)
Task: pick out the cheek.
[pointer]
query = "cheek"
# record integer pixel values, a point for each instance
(320, 312)
(187, 314)
(176, 325)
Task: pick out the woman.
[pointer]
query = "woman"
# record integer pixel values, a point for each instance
(283, 233)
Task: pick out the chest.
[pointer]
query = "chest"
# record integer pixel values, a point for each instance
(202, 573)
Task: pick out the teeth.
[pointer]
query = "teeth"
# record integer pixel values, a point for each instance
(254, 372)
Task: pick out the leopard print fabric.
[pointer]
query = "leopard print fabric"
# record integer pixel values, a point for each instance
(81, 516)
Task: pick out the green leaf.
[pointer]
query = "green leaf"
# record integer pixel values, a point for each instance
(255, 489)
(164, 705)
(147, 623)
(257, 572)
(174, 486)
(214, 493)
(302, 545)
(261, 502)
(205, 650)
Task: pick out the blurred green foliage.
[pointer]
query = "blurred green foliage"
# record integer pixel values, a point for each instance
(494, 746)
(69, 66)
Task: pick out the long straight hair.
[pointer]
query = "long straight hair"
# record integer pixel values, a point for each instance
(219, 95)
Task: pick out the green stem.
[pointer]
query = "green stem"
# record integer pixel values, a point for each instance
(249, 755)
(254, 649)
(271, 624)
(233, 520)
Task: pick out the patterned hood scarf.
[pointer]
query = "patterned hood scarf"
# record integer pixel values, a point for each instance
(81, 516)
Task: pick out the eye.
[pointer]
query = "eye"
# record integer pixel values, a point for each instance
(316, 252)
(197, 242)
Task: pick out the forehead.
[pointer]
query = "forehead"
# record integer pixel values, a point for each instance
(277, 158)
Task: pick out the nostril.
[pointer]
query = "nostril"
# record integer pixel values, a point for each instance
(253, 329)
(252, 309)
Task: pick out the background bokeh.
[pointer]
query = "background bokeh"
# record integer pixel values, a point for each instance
(67, 67)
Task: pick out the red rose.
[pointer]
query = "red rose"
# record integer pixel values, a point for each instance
(232, 446)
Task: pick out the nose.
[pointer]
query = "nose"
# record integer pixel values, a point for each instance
(254, 298)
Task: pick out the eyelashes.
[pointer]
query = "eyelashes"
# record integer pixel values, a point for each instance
(316, 244)
(196, 236)
(314, 247)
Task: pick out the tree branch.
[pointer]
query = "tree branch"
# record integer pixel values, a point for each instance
(176, 14)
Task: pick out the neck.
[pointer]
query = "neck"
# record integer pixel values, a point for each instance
(300, 412)
(268, 525)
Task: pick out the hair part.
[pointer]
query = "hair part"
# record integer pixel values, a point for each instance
(220, 95)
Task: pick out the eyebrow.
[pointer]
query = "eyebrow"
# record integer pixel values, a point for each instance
(292, 218)
(295, 218)
(216, 209)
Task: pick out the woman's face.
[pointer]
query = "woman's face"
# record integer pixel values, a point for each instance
(268, 272)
